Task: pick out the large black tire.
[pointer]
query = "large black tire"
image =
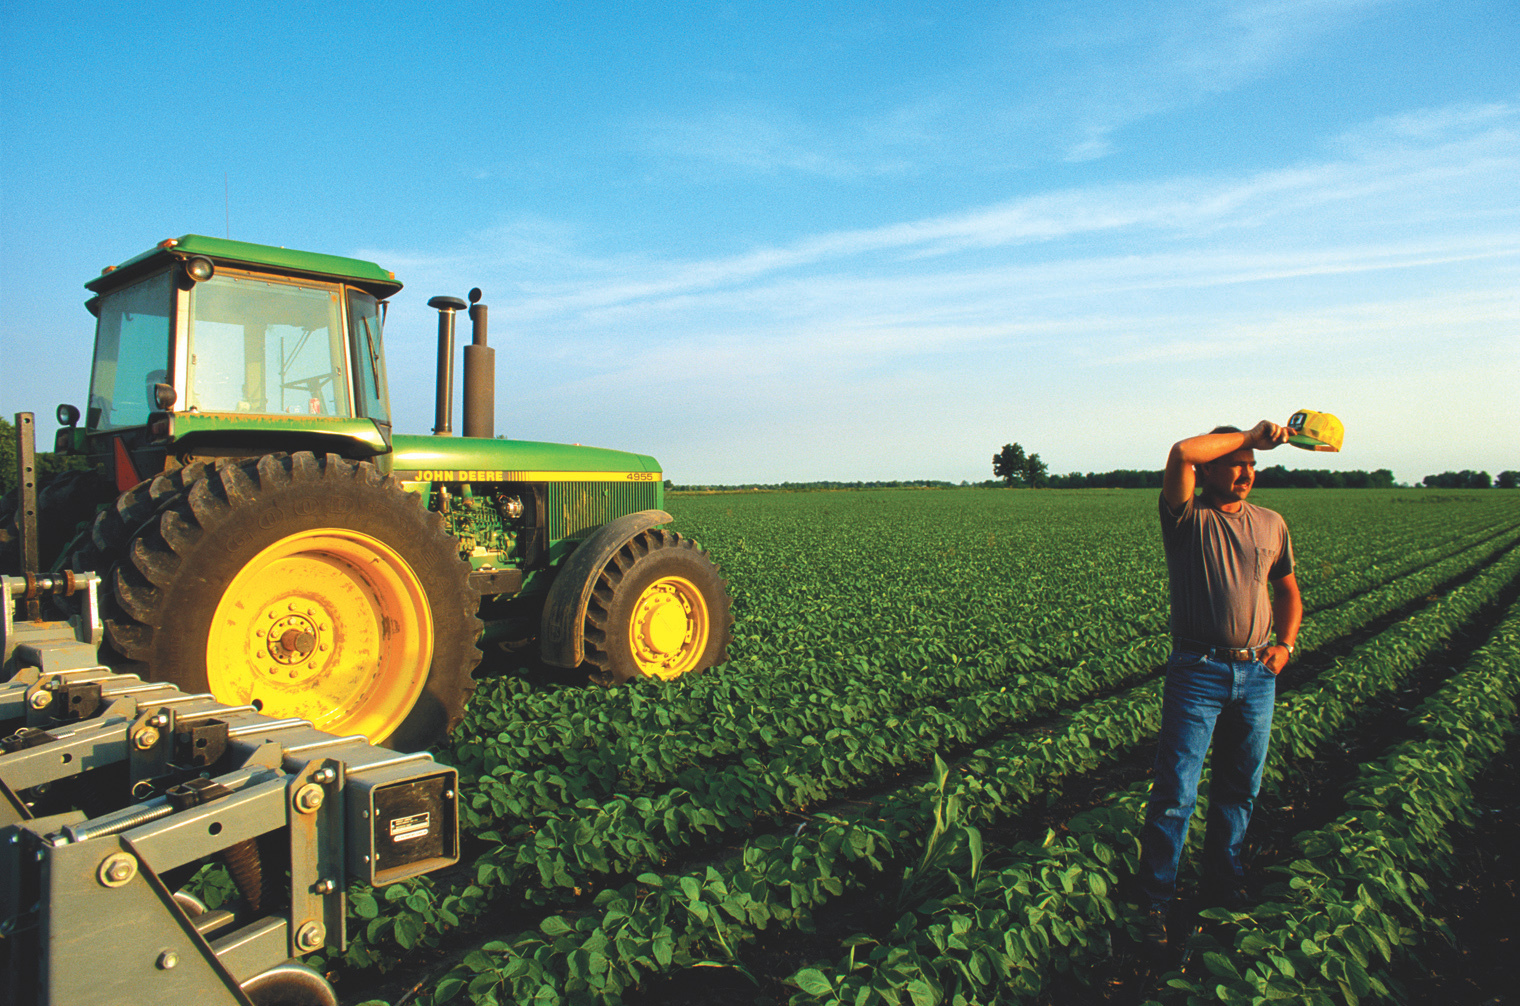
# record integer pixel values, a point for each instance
(64, 502)
(309, 586)
(660, 609)
(125, 515)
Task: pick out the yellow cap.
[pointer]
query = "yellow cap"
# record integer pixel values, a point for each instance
(1316, 431)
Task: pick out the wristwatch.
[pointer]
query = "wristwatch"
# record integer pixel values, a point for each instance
(1288, 646)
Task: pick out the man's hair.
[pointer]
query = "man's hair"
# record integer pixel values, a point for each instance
(1227, 429)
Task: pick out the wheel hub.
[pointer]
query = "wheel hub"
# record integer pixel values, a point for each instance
(329, 625)
(668, 627)
(665, 625)
(297, 640)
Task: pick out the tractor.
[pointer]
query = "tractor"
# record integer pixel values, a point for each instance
(264, 536)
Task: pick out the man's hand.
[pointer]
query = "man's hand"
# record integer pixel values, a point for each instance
(1264, 436)
(1276, 658)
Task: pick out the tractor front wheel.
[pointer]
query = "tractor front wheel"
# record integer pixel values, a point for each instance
(308, 587)
(660, 609)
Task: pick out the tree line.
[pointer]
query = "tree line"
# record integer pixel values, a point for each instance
(1017, 468)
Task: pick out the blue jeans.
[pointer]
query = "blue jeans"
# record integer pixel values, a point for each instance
(1229, 701)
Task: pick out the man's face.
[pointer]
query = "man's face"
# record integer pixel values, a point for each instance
(1229, 479)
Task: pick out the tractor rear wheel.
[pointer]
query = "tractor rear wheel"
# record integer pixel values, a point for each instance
(660, 609)
(123, 516)
(307, 586)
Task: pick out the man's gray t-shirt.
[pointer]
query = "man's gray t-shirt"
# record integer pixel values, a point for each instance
(1218, 567)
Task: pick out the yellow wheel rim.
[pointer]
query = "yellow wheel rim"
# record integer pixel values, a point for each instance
(328, 625)
(668, 628)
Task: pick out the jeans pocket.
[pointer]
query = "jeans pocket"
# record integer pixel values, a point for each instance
(1185, 658)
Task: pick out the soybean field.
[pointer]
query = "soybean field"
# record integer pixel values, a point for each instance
(920, 777)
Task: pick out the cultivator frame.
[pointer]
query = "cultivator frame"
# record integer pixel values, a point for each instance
(113, 790)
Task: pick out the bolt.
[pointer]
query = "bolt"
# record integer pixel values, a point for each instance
(145, 738)
(309, 798)
(167, 960)
(325, 775)
(324, 886)
(117, 869)
(41, 699)
(310, 937)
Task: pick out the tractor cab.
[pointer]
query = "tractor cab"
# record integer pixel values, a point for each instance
(207, 347)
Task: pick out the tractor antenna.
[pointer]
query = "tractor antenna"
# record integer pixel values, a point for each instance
(227, 203)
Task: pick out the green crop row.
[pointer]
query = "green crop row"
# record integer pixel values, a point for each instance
(1068, 750)
(822, 748)
(575, 837)
(1053, 904)
(636, 833)
(1357, 894)
(600, 737)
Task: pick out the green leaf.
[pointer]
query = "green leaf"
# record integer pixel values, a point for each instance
(813, 982)
(555, 925)
(1220, 964)
(922, 992)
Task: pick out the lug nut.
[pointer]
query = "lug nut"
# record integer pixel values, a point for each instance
(145, 738)
(40, 699)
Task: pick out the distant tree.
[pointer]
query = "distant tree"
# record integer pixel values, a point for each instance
(1381, 479)
(1507, 480)
(1465, 479)
(1035, 472)
(1010, 465)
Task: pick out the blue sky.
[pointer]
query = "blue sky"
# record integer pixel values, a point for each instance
(856, 241)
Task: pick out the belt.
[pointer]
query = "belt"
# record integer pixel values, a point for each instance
(1222, 652)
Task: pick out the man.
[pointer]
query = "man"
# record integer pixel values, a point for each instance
(1221, 555)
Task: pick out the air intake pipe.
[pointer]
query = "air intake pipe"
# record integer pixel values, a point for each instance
(479, 376)
(443, 422)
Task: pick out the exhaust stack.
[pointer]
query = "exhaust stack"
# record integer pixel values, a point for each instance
(443, 422)
(479, 376)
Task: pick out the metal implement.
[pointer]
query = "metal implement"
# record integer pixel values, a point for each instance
(114, 791)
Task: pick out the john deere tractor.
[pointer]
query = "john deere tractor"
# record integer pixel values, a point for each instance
(265, 537)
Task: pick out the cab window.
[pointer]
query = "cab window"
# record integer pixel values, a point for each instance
(369, 356)
(261, 346)
(132, 338)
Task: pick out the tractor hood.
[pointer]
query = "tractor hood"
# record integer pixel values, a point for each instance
(466, 459)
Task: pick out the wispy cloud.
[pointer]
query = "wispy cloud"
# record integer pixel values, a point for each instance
(1447, 161)
(1369, 260)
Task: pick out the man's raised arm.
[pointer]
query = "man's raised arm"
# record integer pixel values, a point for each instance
(1178, 482)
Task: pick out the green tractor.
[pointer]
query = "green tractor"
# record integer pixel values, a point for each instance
(265, 537)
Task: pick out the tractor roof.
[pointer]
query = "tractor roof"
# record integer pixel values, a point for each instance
(365, 275)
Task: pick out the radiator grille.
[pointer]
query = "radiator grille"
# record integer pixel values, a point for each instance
(578, 508)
